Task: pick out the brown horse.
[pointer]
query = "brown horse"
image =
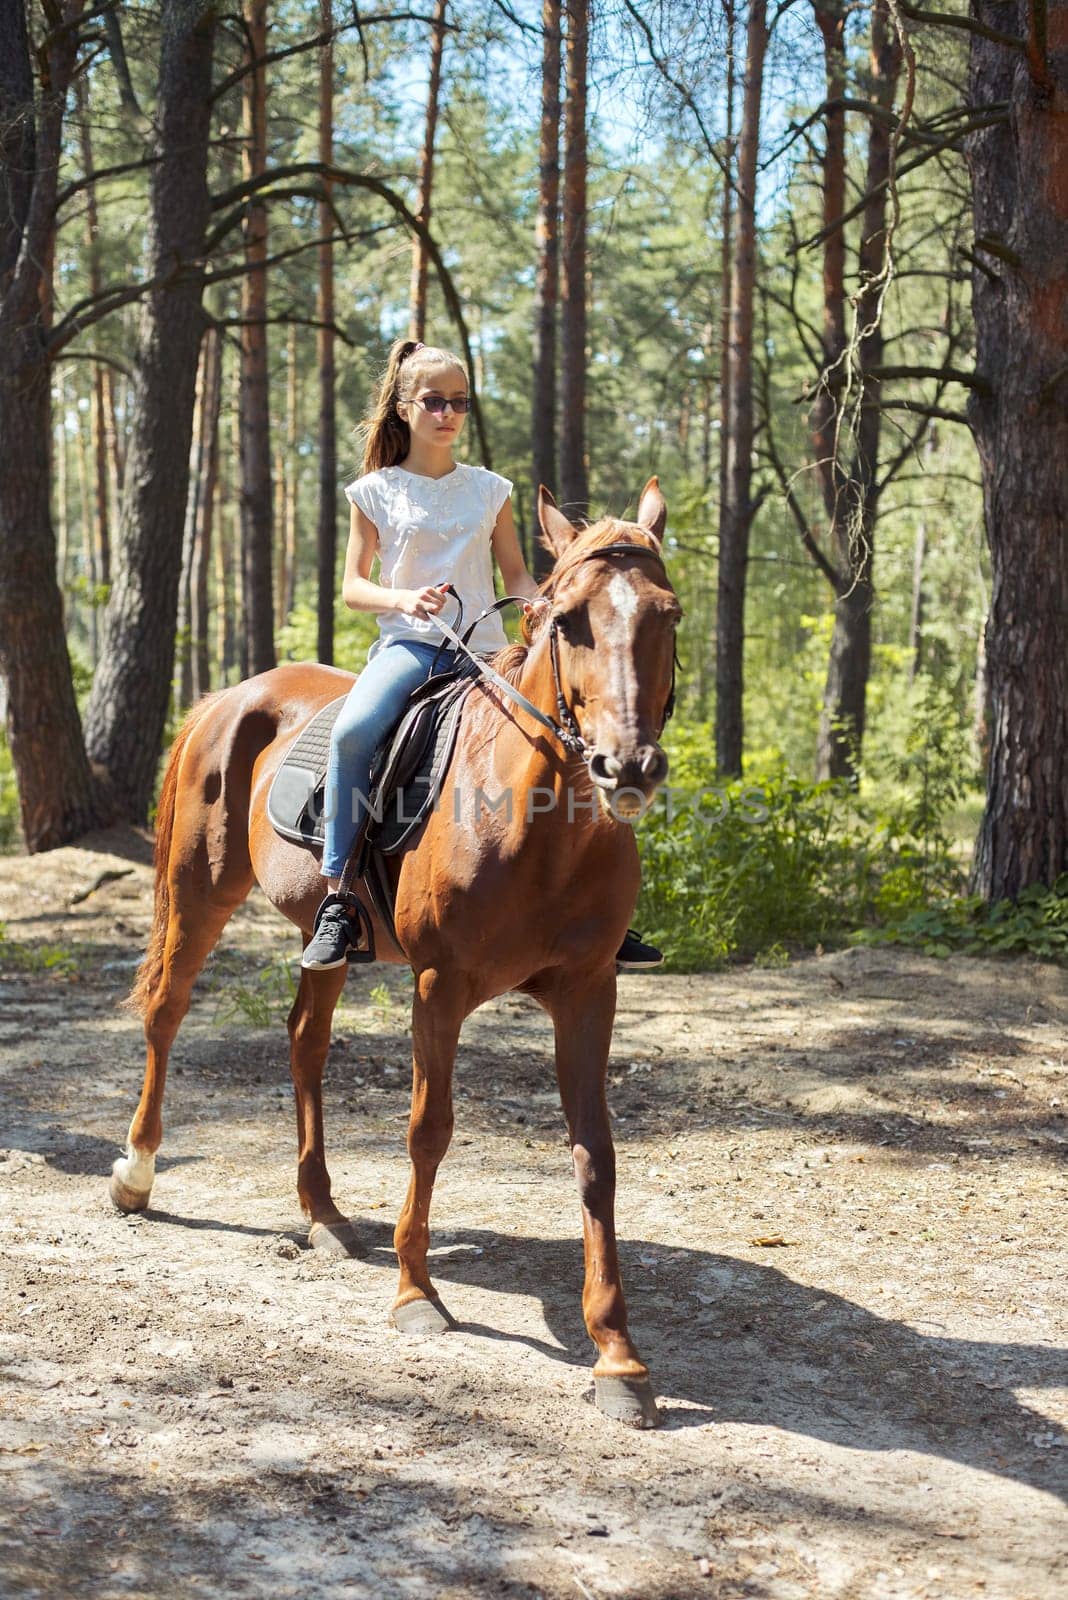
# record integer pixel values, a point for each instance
(530, 892)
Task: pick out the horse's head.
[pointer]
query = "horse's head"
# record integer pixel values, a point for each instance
(612, 632)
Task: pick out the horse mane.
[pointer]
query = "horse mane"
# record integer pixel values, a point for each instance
(510, 661)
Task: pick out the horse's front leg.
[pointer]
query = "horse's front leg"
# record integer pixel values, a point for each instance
(583, 1014)
(438, 1011)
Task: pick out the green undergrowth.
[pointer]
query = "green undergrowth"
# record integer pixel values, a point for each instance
(770, 865)
(1036, 924)
(46, 958)
(9, 799)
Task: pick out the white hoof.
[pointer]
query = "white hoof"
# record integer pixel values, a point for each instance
(132, 1177)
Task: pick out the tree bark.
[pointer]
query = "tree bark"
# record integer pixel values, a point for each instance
(97, 400)
(256, 493)
(830, 18)
(726, 263)
(127, 710)
(855, 501)
(288, 582)
(417, 294)
(199, 616)
(546, 286)
(574, 482)
(326, 533)
(58, 797)
(1020, 198)
(183, 680)
(736, 514)
(228, 531)
(86, 526)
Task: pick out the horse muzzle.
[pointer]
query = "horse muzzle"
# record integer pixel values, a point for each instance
(626, 786)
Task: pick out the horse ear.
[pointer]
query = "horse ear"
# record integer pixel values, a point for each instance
(652, 510)
(558, 532)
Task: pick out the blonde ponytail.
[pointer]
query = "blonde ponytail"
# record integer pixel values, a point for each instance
(386, 437)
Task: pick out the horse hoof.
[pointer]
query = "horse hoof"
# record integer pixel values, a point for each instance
(334, 1238)
(629, 1400)
(421, 1319)
(123, 1198)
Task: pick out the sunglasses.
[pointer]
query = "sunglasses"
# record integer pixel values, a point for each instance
(436, 403)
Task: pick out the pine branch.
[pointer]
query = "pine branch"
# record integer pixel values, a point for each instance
(933, 413)
(903, 170)
(283, 319)
(316, 43)
(945, 19)
(679, 88)
(119, 170)
(888, 373)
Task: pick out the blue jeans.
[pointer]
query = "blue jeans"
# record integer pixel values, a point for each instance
(375, 705)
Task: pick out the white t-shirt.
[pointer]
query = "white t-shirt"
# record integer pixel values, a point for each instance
(436, 530)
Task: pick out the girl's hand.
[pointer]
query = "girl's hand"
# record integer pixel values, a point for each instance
(421, 603)
(534, 608)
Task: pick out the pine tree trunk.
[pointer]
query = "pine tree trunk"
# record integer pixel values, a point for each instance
(199, 616)
(183, 685)
(238, 631)
(726, 265)
(574, 484)
(127, 710)
(62, 512)
(842, 722)
(289, 510)
(88, 536)
(58, 798)
(417, 294)
(326, 533)
(546, 287)
(256, 493)
(736, 514)
(228, 529)
(830, 18)
(97, 401)
(1020, 290)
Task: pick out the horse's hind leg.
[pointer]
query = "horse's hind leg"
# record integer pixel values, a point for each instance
(309, 1041)
(194, 922)
(438, 1011)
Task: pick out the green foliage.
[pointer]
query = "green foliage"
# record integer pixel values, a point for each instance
(263, 997)
(55, 958)
(757, 867)
(354, 633)
(740, 868)
(382, 1000)
(9, 798)
(1036, 925)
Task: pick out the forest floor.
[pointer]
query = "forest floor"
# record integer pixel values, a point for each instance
(194, 1403)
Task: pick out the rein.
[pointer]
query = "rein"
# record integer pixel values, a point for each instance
(566, 731)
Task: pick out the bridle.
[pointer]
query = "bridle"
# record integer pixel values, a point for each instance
(566, 730)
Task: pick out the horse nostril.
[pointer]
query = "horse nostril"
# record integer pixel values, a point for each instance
(605, 770)
(654, 762)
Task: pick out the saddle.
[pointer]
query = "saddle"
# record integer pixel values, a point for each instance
(405, 782)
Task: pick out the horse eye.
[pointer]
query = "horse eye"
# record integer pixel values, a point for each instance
(574, 626)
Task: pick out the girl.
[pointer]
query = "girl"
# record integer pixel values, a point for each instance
(431, 521)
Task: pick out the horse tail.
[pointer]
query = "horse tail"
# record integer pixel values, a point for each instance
(151, 968)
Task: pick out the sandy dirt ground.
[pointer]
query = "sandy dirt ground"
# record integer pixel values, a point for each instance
(194, 1403)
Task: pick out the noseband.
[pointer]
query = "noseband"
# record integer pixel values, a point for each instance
(568, 731)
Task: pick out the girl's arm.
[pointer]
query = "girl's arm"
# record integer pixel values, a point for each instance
(360, 594)
(505, 542)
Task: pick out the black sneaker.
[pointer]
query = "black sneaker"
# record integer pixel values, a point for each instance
(633, 956)
(335, 931)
